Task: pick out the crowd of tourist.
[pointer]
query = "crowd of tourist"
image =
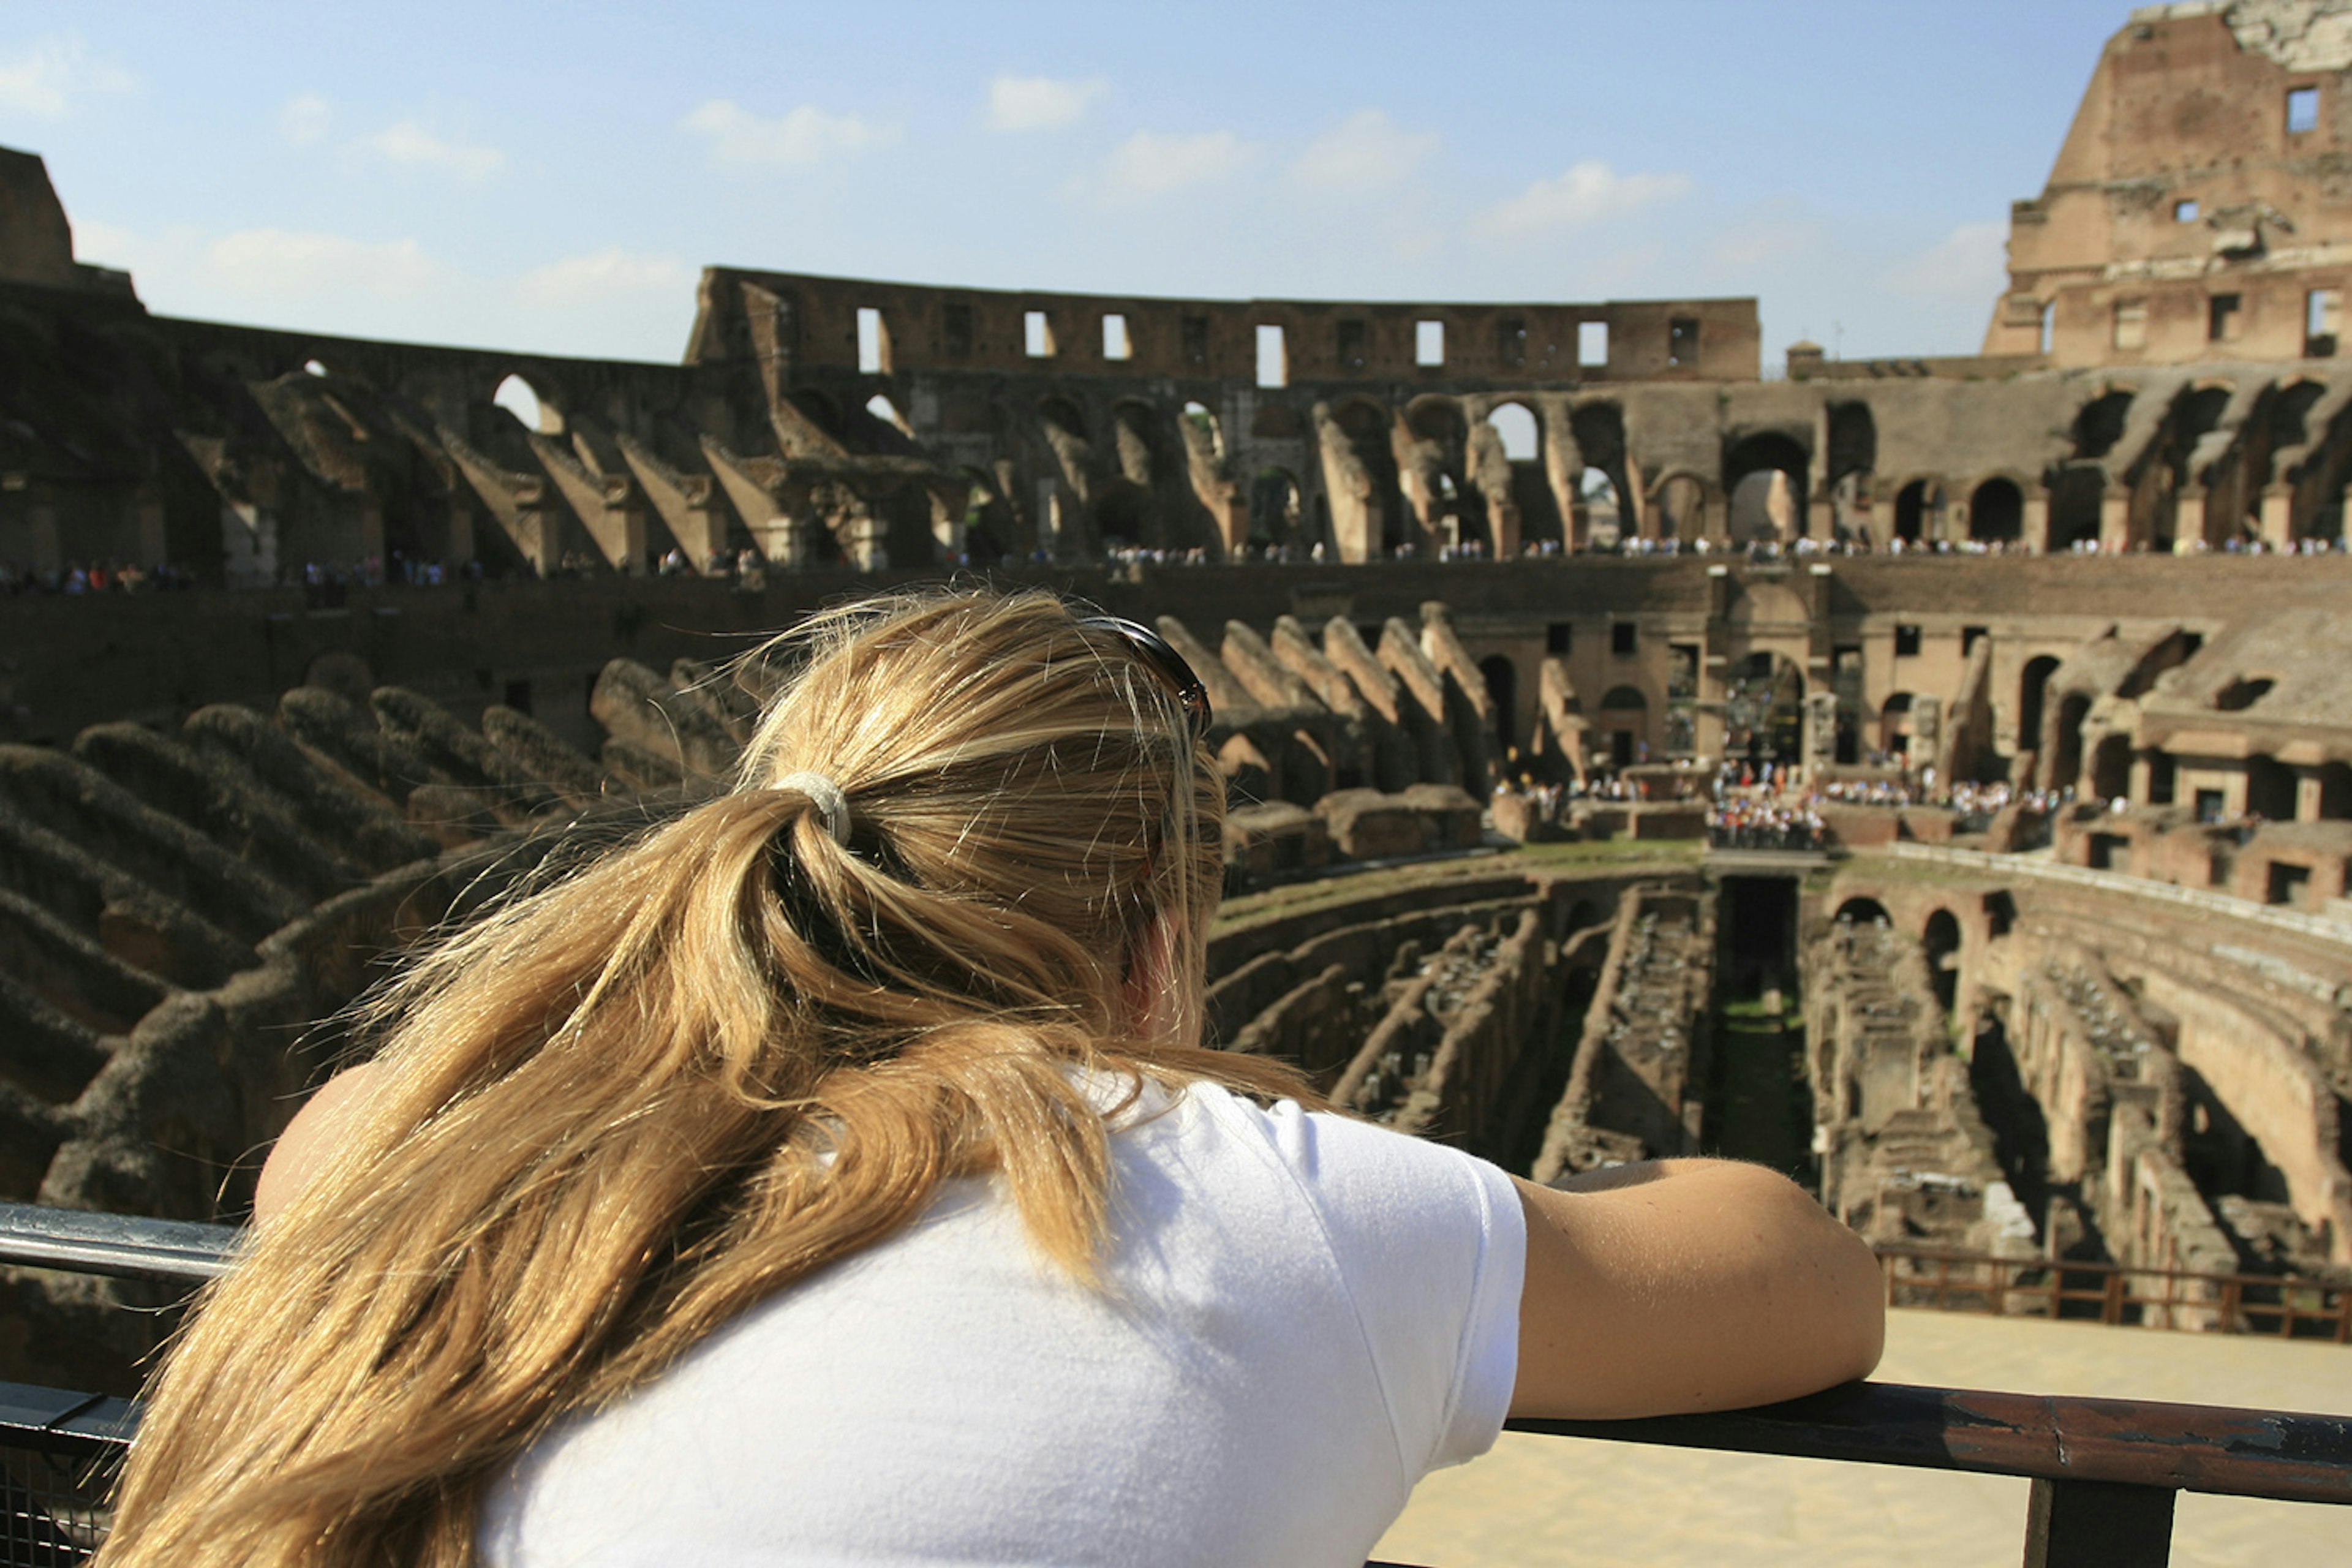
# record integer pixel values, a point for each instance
(1763, 822)
(93, 577)
(746, 564)
(1964, 796)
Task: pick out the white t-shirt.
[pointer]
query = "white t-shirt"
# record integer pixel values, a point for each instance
(1305, 1314)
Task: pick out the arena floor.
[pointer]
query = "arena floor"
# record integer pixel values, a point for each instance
(1536, 1501)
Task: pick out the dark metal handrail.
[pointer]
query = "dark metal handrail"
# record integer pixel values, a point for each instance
(122, 1246)
(2146, 1444)
(2105, 1472)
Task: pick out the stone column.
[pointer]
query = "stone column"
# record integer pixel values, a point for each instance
(2278, 515)
(2114, 521)
(2035, 532)
(2188, 518)
(1821, 731)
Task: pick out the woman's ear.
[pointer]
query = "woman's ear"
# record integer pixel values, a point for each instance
(1163, 996)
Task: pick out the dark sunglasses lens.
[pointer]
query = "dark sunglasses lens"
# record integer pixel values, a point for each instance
(1165, 660)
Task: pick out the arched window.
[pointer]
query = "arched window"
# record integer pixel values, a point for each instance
(1522, 435)
(1198, 416)
(1995, 513)
(520, 398)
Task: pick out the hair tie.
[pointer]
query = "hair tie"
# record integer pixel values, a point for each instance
(826, 796)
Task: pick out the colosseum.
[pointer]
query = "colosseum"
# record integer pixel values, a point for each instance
(1930, 776)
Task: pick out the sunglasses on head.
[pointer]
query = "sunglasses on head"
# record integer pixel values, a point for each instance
(1165, 661)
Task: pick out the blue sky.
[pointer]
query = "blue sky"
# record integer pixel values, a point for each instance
(551, 178)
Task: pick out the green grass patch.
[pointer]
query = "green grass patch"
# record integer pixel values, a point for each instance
(1612, 852)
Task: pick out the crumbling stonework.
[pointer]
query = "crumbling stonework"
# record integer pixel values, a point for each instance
(1636, 1089)
(2197, 210)
(1904, 1155)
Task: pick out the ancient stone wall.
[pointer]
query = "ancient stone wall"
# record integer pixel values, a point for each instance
(2193, 211)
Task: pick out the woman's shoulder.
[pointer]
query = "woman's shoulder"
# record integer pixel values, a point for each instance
(1331, 1159)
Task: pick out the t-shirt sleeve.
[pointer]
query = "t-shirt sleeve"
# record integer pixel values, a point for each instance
(1431, 1246)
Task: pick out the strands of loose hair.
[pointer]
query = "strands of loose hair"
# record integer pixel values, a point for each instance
(627, 1104)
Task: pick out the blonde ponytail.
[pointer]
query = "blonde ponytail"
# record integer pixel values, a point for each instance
(624, 1107)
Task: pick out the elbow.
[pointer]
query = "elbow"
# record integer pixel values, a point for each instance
(1855, 1296)
(1844, 1293)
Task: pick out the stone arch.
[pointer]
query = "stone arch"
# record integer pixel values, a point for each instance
(1996, 511)
(1123, 513)
(1059, 412)
(1521, 430)
(1861, 909)
(2033, 685)
(1453, 505)
(2077, 492)
(2195, 414)
(1135, 431)
(1502, 677)
(520, 397)
(1678, 505)
(1913, 501)
(1940, 941)
(1895, 725)
(1755, 511)
(1852, 456)
(1369, 426)
(885, 429)
(991, 530)
(1203, 420)
(1274, 510)
(2289, 415)
(1596, 433)
(1604, 511)
(1438, 419)
(2099, 423)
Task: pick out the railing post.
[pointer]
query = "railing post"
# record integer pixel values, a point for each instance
(2098, 1524)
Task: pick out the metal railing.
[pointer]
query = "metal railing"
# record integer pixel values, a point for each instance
(2105, 1472)
(2280, 1306)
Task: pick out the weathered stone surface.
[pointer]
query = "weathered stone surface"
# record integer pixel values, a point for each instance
(637, 705)
(1366, 824)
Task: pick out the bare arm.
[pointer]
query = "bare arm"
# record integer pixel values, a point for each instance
(311, 1140)
(1688, 1285)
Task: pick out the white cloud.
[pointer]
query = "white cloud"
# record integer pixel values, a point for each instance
(1148, 165)
(305, 117)
(1365, 151)
(586, 279)
(802, 136)
(44, 79)
(409, 144)
(1970, 264)
(275, 262)
(1039, 103)
(1590, 191)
